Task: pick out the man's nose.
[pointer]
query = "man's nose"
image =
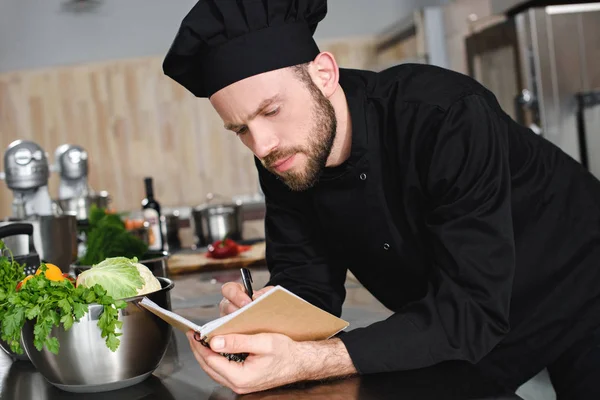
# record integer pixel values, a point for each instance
(264, 143)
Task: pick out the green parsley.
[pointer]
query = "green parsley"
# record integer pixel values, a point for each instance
(107, 237)
(52, 304)
(11, 273)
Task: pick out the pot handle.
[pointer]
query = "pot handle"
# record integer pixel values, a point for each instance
(16, 229)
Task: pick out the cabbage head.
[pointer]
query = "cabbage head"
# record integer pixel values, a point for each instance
(119, 276)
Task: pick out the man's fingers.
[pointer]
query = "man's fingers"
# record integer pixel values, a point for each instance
(200, 352)
(260, 292)
(234, 292)
(226, 308)
(235, 297)
(254, 344)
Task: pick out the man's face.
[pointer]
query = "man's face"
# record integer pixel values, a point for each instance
(285, 121)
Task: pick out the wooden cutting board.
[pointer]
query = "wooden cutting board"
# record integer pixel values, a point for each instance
(194, 262)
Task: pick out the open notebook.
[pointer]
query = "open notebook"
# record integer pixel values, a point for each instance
(277, 311)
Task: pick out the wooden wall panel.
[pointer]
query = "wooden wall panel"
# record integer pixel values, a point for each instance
(135, 122)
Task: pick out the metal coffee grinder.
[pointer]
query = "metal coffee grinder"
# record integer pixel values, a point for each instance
(71, 163)
(26, 173)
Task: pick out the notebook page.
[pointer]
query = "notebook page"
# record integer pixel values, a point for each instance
(184, 324)
(179, 322)
(214, 324)
(285, 313)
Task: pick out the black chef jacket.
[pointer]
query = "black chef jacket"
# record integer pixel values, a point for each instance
(480, 235)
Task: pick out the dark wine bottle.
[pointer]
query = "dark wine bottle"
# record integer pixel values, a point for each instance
(151, 212)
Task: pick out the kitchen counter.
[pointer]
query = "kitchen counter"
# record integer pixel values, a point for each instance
(180, 377)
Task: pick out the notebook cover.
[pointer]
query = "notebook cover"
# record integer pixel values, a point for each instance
(277, 311)
(285, 313)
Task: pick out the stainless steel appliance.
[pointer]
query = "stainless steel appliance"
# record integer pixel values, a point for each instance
(75, 195)
(26, 173)
(539, 62)
(71, 162)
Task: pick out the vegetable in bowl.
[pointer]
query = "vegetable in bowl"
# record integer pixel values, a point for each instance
(121, 277)
(53, 302)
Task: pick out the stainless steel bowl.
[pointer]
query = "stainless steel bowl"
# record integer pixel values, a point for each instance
(85, 365)
(81, 206)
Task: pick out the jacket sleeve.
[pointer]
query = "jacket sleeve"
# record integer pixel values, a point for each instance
(465, 312)
(294, 256)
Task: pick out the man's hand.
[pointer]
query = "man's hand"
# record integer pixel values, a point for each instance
(274, 360)
(235, 297)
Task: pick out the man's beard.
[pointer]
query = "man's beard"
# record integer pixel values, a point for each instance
(321, 138)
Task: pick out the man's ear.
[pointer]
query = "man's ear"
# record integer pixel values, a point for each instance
(325, 73)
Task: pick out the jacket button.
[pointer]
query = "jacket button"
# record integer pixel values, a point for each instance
(363, 176)
(386, 246)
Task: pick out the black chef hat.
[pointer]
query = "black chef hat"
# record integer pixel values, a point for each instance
(221, 42)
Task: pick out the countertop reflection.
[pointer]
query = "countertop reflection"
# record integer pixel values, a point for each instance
(180, 377)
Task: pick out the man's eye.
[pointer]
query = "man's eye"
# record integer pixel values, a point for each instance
(242, 130)
(272, 112)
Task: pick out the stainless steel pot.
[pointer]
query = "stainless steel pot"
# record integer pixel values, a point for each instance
(84, 364)
(81, 206)
(54, 237)
(213, 221)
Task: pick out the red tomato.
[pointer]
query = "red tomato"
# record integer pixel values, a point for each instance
(223, 249)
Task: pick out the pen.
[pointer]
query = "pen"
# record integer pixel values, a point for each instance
(247, 281)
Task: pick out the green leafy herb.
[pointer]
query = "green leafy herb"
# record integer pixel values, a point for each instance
(11, 273)
(107, 237)
(54, 304)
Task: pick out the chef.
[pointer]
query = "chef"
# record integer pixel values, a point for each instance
(482, 237)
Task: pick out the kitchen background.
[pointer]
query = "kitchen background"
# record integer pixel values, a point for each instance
(88, 73)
